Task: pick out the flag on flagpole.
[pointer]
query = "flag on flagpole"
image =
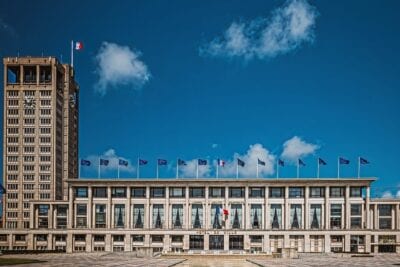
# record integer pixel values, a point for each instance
(281, 163)
(202, 162)
(260, 162)
(104, 162)
(181, 162)
(142, 162)
(299, 163)
(240, 162)
(162, 162)
(221, 162)
(321, 161)
(85, 162)
(343, 161)
(225, 211)
(363, 161)
(78, 45)
(122, 162)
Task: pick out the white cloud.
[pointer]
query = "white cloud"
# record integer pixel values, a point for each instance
(295, 148)
(255, 152)
(214, 145)
(286, 29)
(387, 194)
(398, 194)
(113, 158)
(119, 65)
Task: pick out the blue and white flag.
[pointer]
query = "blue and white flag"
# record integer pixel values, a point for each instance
(122, 162)
(104, 162)
(85, 162)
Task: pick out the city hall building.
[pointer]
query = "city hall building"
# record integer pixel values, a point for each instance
(45, 206)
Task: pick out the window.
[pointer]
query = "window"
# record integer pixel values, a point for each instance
(236, 216)
(355, 191)
(138, 192)
(43, 210)
(385, 216)
(315, 216)
(3, 238)
(80, 238)
(296, 192)
(177, 238)
(81, 192)
(216, 192)
(158, 216)
(256, 216)
(100, 216)
(355, 216)
(197, 192)
(276, 216)
(385, 210)
(138, 238)
(157, 192)
(99, 238)
(99, 192)
(336, 216)
(118, 192)
(13, 75)
(81, 215)
(317, 191)
(237, 192)
(177, 192)
(336, 191)
(196, 242)
(119, 215)
(20, 237)
(256, 192)
(157, 238)
(45, 74)
(29, 74)
(177, 215)
(276, 192)
(296, 216)
(197, 216)
(42, 237)
(138, 216)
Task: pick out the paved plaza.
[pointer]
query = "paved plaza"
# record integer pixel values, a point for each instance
(129, 259)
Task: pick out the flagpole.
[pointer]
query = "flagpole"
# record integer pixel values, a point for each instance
(157, 169)
(197, 169)
(217, 168)
(298, 168)
(177, 169)
(99, 169)
(118, 168)
(72, 53)
(358, 168)
(237, 169)
(138, 169)
(257, 168)
(277, 169)
(79, 169)
(338, 168)
(318, 168)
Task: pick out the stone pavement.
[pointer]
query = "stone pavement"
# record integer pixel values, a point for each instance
(331, 260)
(96, 260)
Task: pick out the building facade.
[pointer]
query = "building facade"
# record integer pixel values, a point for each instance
(40, 142)
(189, 215)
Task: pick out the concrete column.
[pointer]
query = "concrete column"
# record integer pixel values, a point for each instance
(397, 217)
(307, 243)
(187, 211)
(266, 246)
(398, 241)
(128, 210)
(306, 209)
(266, 214)
(246, 210)
(108, 241)
(376, 217)
(367, 211)
(393, 217)
(50, 216)
(70, 243)
(147, 210)
(167, 243)
(88, 242)
(347, 243)
(50, 241)
(286, 240)
(327, 209)
(226, 242)
(32, 218)
(30, 240)
(206, 242)
(109, 209)
(167, 224)
(347, 208)
(246, 242)
(327, 243)
(368, 243)
(89, 209)
(128, 243)
(186, 242)
(205, 214)
(286, 210)
(71, 216)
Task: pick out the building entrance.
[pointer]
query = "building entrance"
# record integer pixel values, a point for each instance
(216, 242)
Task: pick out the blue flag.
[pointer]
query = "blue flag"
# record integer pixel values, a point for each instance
(142, 162)
(104, 162)
(363, 161)
(260, 162)
(240, 162)
(181, 162)
(321, 161)
(281, 162)
(161, 162)
(85, 162)
(202, 161)
(123, 162)
(344, 161)
(301, 163)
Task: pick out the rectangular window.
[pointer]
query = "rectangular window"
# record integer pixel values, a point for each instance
(177, 192)
(138, 216)
(385, 210)
(197, 216)
(157, 192)
(43, 210)
(45, 74)
(276, 192)
(100, 215)
(256, 192)
(216, 192)
(317, 191)
(196, 192)
(315, 216)
(81, 192)
(355, 191)
(119, 215)
(13, 75)
(158, 216)
(81, 215)
(138, 192)
(118, 192)
(296, 192)
(236, 192)
(355, 209)
(296, 216)
(99, 192)
(236, 216)
(177, 216)
(336, 216)
(256, 216)
(29, 74)
(276, 216)
(336, 191)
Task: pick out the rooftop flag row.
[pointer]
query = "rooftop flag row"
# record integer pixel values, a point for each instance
(220, 163)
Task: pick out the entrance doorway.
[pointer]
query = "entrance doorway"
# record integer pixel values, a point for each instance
(216, 242)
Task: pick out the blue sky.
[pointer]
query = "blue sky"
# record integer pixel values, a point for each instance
(209, 79)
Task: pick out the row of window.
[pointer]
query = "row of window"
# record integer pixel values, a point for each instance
(217, 192)
(15, 93)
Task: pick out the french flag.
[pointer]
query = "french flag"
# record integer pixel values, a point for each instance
(221, 162)
(78, 45)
